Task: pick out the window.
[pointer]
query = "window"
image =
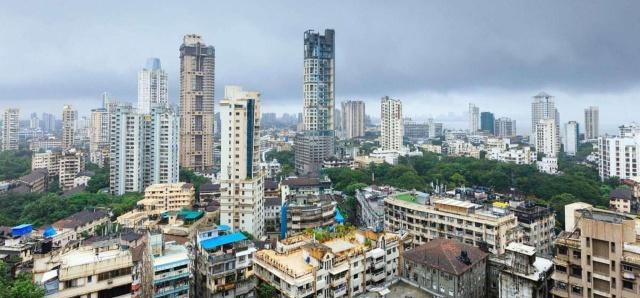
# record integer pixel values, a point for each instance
(627, 285)
(89, 278)
(613, 247)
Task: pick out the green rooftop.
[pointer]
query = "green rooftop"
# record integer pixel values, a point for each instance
(406, 197)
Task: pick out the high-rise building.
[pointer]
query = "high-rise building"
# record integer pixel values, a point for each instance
(241, 181)
(571, 133)
(48, 122)
(99, 136)
(316, 141)
(618, 157)
(547, 139)
(353, 119)
(34, 122)
(591, 123)
(474, 118)
(629, 130)
(11, 128)
(543, 107)
(415, 130)
(505, 127)
(69, 117)
(144, 148)
(197, 78)
(152, 86)
(391, 128)
(71, 163)
(487, 122)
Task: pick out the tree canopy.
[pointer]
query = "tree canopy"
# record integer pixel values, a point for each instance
(20, 286)
(14, 164)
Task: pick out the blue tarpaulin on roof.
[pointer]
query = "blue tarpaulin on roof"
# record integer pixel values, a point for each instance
(21, 230)
(49, 232)
(222, 240)
(223, 228)
(339, 217)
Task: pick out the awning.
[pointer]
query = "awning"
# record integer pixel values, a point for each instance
(49, 275)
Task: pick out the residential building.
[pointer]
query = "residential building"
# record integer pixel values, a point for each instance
(538, 224)
(548, 165)
(161, 153)
(487, 122)
(272, 210)
(152, 86)
(599, 255)
(391, 128)
(304, 186)
(166, 268)
(85, 221)
(505, 127)
(591, 123)
(34, 122)
(571, 135)
(446, 268)
(544, 107)
(474, 118)
(547, 138)
(431, 218)
(99, 137)
(223, 264)
(370, 207)
(515, 155)
(197, 66)
(44, 144)
(159, 198)
(48, 122)
(622, 200)
(95, 270)
(47, 160)
(36, 181)
(300, 212)
(414, 130)
(353, 112)
(69, 118)
(629, 130)
(316, 141)
(618, 157)
(345, 266)
(10, 129)
(71, 163)
(435, 129)
(241, 181)
(518, 273)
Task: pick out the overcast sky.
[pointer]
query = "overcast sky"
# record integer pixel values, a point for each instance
(436, 57)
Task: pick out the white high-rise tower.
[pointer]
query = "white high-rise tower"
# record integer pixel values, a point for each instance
(544, 107)
(474, 118)
(152, 86)
(591, 123)
(392, 127)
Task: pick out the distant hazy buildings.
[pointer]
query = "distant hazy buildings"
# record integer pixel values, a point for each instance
(543, 108)
(48, 122)
(591, 123)
(353, 113)
(69, 118)
(415, 130)
(197, 66)
(316, 141)
(34, 122)
(571, 133)
(99, 136)
(152, 86)
(474, 118)
(391, 128)
(11, 128)
(505, 127)
(241, 181)
(487, 122)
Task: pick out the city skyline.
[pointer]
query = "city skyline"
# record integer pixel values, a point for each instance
(513, 65)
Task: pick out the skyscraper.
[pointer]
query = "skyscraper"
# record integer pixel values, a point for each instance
(547, 137)
(69, 117)
(152, 86)
(474, 118)
(48, 122)
(505, 127)
(197, 66)
(242, 183)
(316, 142)
(571, 133)
(125, 154)
(591, 123)
(391, 128)
(99, 136)
(544, 107)
(11, 128)
(487, 122)
(34, 122)
(161, 146)
(353, 112)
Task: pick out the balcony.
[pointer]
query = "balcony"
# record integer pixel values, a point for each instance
(560, 276)
(339, 292)
(338, 281)
(557, 292)
(168, 291)
(171, 276)
(376, 277)
(245, 286)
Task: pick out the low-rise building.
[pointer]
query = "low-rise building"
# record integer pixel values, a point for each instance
(548, 165)
(537, 223)
(166, 268)
(336, 267)
(431, 218)
(307, 211)
(621, 200)
(210, 192)
(432, 148)
(46, 160)
(519, 273)
(85, 221)
(370, 207)
(163, 197)
(36, 181)
(446, 268)
(272, 209)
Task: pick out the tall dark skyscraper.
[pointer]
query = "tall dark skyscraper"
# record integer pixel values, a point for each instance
(316, 141)
(487, 122)
(197, 66)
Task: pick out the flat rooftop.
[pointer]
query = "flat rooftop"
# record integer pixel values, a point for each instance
(458, 203)
(83, 257)
(339, 245)
(293, 261)
(172, 254)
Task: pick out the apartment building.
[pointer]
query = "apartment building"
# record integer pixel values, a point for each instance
(346, 266)
(69, 121)
(159, 198)
(46, 160)
(370, 207)
(36, 181)
(547, 137)
(71, 163)
(99, 136)
(618, 156)
(10, 129)
(519, 273)
(101, 269)
(519, 156)
(504, 127)
(391, 128)
(599, 255)
(166, 271)
(85, 221)
(538, 224)
(591, 122)
(223, 264)
(353, 113)
(492, 228)
(307, 211)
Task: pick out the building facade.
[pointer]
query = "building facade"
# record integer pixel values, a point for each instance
(618, 157)
(487, 122)
(166, 268)
(241, 181)
(474, 118)
(197, 78)
(353, 113)
(99, 137)
(538, 225)
(167, 197)
(547, 138)
(69, 118)
(571, 135)
(10, 129)
(505, 127)
(391, 127)
(591, 123)
(519, 273)
(71, 163)
(152, 86)
(543, 107)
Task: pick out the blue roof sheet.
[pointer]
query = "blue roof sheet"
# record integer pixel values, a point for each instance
(222, 240)
(339, 217)
(223, 228)
(49, 232)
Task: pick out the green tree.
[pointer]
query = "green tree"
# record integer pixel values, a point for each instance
(19, 287)
(14, 164)
(190, 176)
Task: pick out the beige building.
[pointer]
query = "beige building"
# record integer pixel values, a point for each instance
(167, 197)
(89, 271)
(338, 267)
(99, 130)
(71, 163)
(197, 65)
(69, 117)
(453, 219)
(353, 117)
(46, 160)
(11, 128)
(598, 257)
(391, 128)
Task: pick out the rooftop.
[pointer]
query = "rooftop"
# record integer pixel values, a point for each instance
(212, 243)
(172, 253)
(83, 257)
(602, 215)
(292, 263)
(445, 255)
(621, 193)
(81, 218)
(521, 248)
